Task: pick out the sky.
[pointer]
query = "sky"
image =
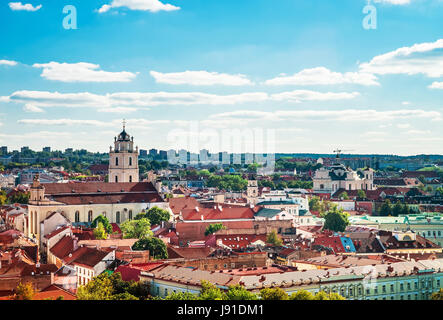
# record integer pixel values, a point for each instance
(286, 76)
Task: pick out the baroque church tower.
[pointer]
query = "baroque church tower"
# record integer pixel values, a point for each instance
(123, 159)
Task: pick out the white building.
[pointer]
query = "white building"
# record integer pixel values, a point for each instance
(330, 180)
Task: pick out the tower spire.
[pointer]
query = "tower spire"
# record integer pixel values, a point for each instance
(124, 124)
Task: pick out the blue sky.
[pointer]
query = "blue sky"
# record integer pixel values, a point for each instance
(290, 75)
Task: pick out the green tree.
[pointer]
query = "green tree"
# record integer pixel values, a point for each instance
(344, 195)
(155, 215)
(3, 198)
(397, 209)
(213, 228)
(336, 219)
(136, 229)
(301, 295)
(111, 287)
(157, 248)
(274, 239)
(100, 288)
(385, 209)
(273, 294)
(19, 197)
(24, 291)
(100, 232)
(361, 194)
(210, 292)
(124, 296)
(104, 221)
(239, 292)
(181, 296)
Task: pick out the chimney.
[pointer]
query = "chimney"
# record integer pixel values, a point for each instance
(202, 218)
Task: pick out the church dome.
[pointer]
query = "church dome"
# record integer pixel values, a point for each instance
(123, 136)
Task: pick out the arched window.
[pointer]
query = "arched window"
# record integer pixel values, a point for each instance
(117, 217)
(130, 214)
(130, 178)
(90, 216)
(77, 216)
(116, 179)
(116, 161)
(130, 161)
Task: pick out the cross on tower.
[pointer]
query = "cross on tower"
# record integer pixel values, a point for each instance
(124, 124)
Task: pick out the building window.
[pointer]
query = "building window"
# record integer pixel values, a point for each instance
(90, 216)
(130, 214)
(77, 216)
(130, 178)
(116, 161)
(392, 288)
(130, 161)
(409, 286)
(116, 179)
(384, 289)
(402, 287)
(117, 217)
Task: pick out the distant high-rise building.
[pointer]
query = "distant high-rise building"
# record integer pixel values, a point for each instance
(153, 152)
(143, 153)
(69, 150)
(4, 150)
(24, 149)
(163, 154)
(47, 149)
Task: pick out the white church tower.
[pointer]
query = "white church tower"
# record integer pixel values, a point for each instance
(123, 159)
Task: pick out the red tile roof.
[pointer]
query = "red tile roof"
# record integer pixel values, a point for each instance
(53, 292)
(88, 257)
(56, 232)
(97, 187)
(216, 214)
(63, 248)
(178, 204)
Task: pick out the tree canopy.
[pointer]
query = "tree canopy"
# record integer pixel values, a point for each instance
(112, 287)
(336, 219)
(274, 239)
(155, 215)
(102, 219)
(157, 248)
(136, 229)
(213, 228)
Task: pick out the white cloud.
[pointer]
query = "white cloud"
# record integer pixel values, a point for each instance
(423, 58)
(307, 95)
(144, 5)
(120, 110)
(418, 132)
(81, 72)
(32, 108)
(18, 6)
(347, 115)
(63, 122)
(201, 78)
(394, 2)
(436, 85)
(43, 99)
(403, 125)
(8, 63)
(324, 76)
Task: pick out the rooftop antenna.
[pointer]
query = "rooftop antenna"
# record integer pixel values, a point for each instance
(339, 152)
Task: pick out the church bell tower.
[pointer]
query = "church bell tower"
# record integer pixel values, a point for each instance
(123, 159)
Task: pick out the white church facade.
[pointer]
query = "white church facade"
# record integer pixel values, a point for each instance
(82, 202)
(338, 176)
